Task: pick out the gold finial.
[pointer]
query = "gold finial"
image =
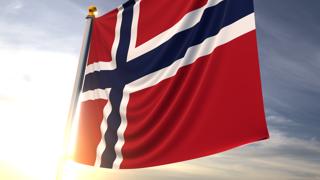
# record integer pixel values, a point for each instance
(92, 11)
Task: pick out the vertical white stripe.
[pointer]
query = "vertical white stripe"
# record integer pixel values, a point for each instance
(101, 65)
(226, 34)
(103, 129)
(108, 108)
(123, 113)
(94, 95)
(117, 36)
(125, 97)
(134, 27)
(189, 20)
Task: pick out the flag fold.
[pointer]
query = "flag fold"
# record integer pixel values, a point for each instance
(168, 81)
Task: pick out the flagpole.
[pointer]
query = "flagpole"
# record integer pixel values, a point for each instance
(77, 88)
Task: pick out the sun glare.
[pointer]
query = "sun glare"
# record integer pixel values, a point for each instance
(35, 94)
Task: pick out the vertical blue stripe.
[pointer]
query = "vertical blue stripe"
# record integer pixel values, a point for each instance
(114, 119)
(212, 21)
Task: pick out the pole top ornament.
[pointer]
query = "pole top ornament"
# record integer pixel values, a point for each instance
(93, 11)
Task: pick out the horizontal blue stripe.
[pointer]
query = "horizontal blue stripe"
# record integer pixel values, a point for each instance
(213, 19)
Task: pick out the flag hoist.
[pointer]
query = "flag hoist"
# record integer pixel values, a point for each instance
(77, 88)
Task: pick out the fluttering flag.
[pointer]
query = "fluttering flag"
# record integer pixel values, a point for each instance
(169, 81)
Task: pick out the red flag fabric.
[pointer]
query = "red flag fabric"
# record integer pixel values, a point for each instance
(169, 81)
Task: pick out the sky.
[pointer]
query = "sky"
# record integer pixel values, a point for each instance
(40, 43)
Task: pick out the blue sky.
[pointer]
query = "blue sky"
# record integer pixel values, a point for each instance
(39, 47)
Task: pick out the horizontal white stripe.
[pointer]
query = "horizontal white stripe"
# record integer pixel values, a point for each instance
(98, 66)
(95, 94)
(101, 65)
(225, 35)
(188, 21)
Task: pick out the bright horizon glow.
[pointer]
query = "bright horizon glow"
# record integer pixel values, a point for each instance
(34, 99)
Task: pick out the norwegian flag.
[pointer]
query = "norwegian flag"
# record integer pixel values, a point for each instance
(168, 81)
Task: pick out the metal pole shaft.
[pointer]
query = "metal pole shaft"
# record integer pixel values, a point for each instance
(79, 79)
(76, 93)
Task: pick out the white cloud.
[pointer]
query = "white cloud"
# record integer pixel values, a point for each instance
(13, 7)
(279, 120)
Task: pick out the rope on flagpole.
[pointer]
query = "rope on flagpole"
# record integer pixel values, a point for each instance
(78, 84)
